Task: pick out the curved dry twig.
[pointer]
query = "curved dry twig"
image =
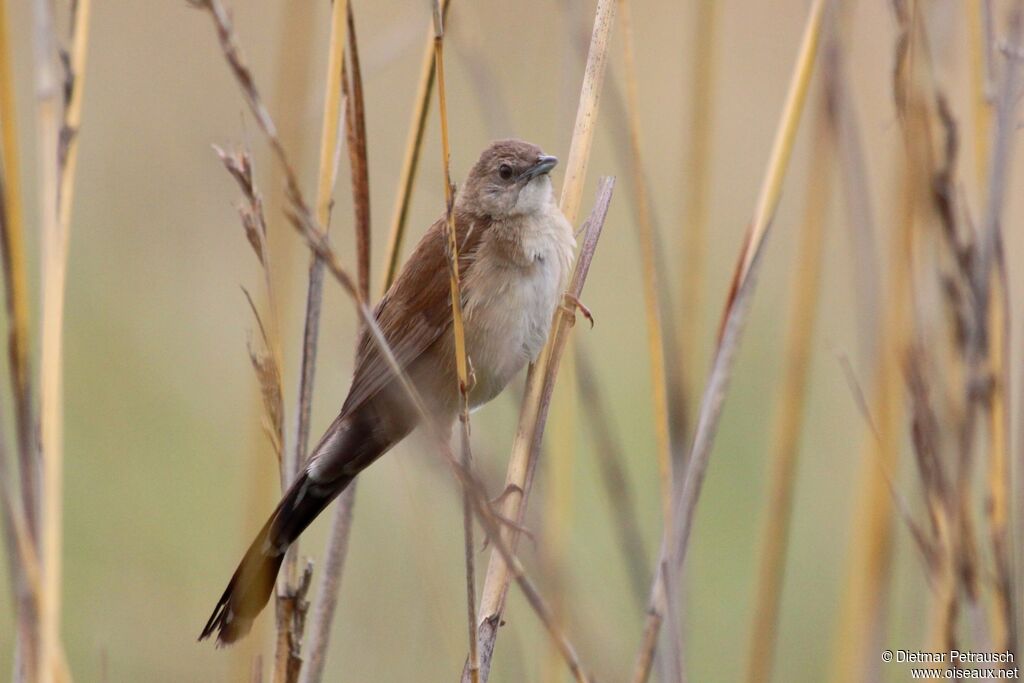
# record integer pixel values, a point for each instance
(674, 546)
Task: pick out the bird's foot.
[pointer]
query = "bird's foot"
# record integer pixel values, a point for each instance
(571, 304)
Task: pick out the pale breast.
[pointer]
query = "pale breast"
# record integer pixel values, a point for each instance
(510, 301)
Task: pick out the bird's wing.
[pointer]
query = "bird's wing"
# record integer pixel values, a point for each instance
(415, 311)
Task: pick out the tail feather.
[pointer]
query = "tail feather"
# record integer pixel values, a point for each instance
(252, 583)
(348, 446)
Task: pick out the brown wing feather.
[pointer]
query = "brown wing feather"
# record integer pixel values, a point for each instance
(415, 311)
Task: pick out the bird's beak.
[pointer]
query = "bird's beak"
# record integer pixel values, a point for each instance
(544, 165)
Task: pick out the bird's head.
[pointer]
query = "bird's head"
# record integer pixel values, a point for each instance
(510, 179)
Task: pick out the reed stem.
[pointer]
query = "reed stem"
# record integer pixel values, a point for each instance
(785, 451)
(540, 381)
(673, 548)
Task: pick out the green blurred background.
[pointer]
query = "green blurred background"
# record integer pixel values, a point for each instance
(164, 454)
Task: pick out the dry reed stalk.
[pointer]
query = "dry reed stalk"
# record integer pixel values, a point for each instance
(862, 608)
(267, 365)
(671, 664)
(291, 621)
(992, 293)
(57, 131)
(315, 657)
(266, 359)
(24, 561)
(298, 210)
(963, 385)
(332, 113)
(982, 94)
(326, 177)
(74, 81)
(355, 136)
(999, 486)
(677, 390)
(16, 286)
(305, 222)
(947, 408)
(673, 548)
(8, 509)
(288, 648)
(411, 157)
(341, 524)
(586, 114)
(785, 448)
(22, 558)
(290, 600)
(1003, 618)
(1006, 106)
(540, 381)
(650, 270)
(25, 497)
(243, 76)
(292, 82)
(697, 188)
(23, 571)
(53, 266)
(458, 334)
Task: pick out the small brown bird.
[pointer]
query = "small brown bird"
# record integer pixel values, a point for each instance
(515, 251)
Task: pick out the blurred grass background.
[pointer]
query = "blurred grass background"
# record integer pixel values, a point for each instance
(163, 447)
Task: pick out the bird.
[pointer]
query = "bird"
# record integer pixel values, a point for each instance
(515, 250)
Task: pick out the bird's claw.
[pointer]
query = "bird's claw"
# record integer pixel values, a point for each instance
(571, 304)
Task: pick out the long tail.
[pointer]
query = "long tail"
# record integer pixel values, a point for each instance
(253, 582)
(346, 448)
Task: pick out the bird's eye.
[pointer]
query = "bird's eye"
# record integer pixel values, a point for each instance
(505, 171)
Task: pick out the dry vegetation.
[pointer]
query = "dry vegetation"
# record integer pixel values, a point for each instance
(933, 301)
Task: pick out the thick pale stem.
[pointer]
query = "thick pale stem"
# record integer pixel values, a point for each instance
(530, 428)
